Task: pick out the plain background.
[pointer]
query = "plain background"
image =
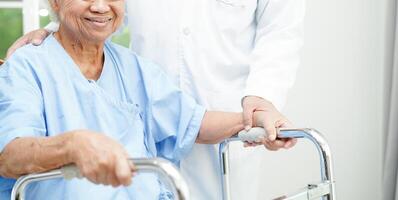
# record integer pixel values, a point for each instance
(340, 90)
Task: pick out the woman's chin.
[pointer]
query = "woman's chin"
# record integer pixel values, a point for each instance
(97, 37)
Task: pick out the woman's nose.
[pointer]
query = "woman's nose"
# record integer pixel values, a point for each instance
(100, 6)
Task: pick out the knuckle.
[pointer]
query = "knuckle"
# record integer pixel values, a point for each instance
(103, 163)
(247, 120)
(84, 171)
(90, 174)
(114, 182)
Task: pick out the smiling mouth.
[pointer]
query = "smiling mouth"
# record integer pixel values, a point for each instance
(101, 20)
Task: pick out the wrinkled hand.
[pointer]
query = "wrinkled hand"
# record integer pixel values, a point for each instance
(267, 116)
(34, 37)
(100, 159)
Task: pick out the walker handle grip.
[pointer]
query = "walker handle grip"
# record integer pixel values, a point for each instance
(255, 134)
(70, 171)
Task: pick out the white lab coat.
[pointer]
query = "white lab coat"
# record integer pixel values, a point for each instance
(218, 51)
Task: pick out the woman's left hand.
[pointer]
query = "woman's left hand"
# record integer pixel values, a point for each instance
(260, 112)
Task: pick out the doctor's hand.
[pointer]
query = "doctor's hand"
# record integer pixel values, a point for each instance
(100, 159)
(260, 112)
(34, 37)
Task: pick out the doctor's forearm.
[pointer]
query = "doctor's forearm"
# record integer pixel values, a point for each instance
(217, 126)
(31, 155)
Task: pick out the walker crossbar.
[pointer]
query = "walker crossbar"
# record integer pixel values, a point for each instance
(169, 174)
(325, 189)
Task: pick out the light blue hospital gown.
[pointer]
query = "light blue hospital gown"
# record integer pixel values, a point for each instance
(43, 93)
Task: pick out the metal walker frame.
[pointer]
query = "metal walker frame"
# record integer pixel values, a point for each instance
(324, 190)
(170, 174)
(172, 177)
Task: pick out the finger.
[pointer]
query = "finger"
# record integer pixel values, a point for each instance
(270, 129)
(245, 144)
(102, 178)
(248, 116)
(133, 169)
(17, 44)
(123, 171)
(36, 42)
(90, 175)
(270, 147)
(38, 37)
(111, 179)
(290, 143)
(248, 144)
(284, 123)
(280, 123)
(276, 144)
(35, 37)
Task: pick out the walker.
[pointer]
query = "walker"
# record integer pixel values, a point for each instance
(171, 176)
(325, 189)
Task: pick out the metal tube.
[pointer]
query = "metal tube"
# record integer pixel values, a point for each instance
(313, 135)
(224, 166)
(169, 172)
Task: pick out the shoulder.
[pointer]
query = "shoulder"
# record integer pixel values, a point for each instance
(28, 56)
(27, 64)
(30, 51)
(20, 61)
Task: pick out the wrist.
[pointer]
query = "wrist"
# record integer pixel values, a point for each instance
(69, 147)
(256, 99)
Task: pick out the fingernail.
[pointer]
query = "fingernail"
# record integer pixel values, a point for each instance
(247, 127)
(36, 42)
(271, 138)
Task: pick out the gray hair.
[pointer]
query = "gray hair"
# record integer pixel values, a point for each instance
(53, 15)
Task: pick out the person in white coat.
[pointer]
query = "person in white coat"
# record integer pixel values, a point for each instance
(227, 54)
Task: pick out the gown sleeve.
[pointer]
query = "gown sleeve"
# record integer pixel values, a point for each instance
(21, 105)
(175, 117)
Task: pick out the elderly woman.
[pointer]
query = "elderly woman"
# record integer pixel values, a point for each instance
(80, 99)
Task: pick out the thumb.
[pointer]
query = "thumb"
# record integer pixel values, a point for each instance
(248, 116)
(270, 129)
(123, 171)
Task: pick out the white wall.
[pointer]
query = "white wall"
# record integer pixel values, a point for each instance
(339, 91)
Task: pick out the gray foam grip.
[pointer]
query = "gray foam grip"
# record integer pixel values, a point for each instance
(70, 172)
(255, 134)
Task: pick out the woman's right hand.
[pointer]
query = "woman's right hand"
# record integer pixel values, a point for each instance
(100, 159)
(35, 37)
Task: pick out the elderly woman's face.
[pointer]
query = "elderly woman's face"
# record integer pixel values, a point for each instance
(93, 20)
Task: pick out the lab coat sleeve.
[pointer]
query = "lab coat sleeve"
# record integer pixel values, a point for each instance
(175, 118)
(21, 107)
(275, 57)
